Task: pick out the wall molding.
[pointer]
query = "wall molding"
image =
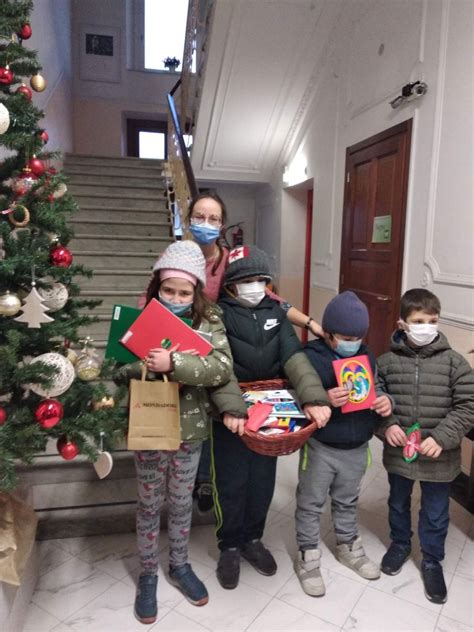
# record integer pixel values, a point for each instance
(447, 278)
(458, 320)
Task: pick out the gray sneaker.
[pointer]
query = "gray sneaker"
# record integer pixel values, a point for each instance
(353, 556)
(307, 568)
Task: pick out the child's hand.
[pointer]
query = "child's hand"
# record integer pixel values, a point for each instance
(429, 447)
(234, 424)
(338, 396)
(382, 406)
(159, 360)
(319, 414)
(395, 436)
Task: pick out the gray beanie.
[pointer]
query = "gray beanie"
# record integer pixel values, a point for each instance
(247, 261)
(185, 256)
(346, 314)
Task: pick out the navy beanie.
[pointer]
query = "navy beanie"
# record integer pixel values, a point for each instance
(346, 314)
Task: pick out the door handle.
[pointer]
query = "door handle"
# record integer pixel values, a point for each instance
(383, 298)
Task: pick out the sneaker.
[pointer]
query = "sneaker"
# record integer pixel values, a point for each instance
(353, 556)
(394, 558)
(205, 500)
(146, 607)
(260, 557)
(433, 581)
(307, 568)
(228, 568)
(184, 578)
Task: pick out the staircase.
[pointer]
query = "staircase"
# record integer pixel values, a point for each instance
(121, 227)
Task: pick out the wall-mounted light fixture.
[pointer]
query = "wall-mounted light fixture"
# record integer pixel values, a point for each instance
(410, 91)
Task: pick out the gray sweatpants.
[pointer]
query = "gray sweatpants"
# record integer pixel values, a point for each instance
(163, 474)
(325, 470)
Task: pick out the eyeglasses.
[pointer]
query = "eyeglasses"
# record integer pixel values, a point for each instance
(200, 219)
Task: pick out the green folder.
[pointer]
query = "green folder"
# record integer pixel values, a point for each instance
(123, 316)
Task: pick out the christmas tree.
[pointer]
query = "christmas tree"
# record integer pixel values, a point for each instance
(44, 395)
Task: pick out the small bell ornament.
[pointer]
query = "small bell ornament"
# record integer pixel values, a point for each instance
(88, 365)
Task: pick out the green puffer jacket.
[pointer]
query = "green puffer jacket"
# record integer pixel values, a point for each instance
(197, 375)
(433, 385)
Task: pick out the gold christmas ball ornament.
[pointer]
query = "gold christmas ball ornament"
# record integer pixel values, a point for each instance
(88, 367)
(62, 379)
(10, 304)
(105, 402)
(54, 297)
(71, 355)
(38, 83)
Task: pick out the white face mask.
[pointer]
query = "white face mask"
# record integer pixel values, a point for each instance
(421, 334)
(250, 294)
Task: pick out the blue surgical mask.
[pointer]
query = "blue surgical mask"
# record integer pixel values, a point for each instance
(176, 308)
(204, 233)
(347, 348)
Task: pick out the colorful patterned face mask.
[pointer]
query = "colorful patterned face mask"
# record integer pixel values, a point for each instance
(412, 447)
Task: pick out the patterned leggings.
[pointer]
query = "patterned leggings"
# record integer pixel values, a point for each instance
(167, 474)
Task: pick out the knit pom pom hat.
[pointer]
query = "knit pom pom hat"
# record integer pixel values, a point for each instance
(183, 256)
(247, 261)
(346, 314)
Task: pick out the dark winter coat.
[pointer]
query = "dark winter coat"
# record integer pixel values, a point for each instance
(344, 430)
(433, 385)
(264, 346)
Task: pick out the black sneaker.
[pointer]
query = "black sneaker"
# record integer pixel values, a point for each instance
(433, 580)
(260, 557)
(228, 568)
(205, 499)
(146, 608)
(394, 559)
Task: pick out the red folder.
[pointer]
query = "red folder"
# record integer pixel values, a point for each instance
(356, 375)
(257, 415)
(157, 327)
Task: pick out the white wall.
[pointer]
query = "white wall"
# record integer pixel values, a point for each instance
(377, 47)
(100, 105)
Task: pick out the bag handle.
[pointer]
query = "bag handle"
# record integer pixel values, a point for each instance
(144, 372)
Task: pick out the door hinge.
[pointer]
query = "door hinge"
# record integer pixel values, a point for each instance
(342, 280)
(348, 177)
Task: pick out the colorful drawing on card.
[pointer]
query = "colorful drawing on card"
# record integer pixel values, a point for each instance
(355, 374)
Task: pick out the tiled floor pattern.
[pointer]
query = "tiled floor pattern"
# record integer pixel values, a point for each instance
(88, 584)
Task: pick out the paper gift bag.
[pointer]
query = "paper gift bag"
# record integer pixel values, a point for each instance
(17, 535)
(154, 415)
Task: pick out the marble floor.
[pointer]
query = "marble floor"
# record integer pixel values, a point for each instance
(88, 584)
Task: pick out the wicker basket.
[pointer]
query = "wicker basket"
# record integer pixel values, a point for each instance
(274, 445)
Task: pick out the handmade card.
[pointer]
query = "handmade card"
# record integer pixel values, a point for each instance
(355, 374)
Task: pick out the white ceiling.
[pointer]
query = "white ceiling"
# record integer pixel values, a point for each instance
(261, 73)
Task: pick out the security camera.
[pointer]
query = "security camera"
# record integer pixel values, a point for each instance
(419, 89)
(410, 91)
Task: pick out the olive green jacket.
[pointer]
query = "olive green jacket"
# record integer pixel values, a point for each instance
(196, 376)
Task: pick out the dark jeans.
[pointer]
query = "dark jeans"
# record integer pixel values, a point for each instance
(204, 469)
(245, 482)
(433, 519)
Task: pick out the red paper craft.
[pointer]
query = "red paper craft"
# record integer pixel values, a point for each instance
(157, 327)
(412, 447)
(258, 414)
(356, 375)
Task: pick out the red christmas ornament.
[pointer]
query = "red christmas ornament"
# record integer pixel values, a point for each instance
(61, 256)
(23, 183)
(37, 166)
(67, 449)
(25, 91)
(3, 416)
(6, 76)
(25, 32)
(52, 171)
(49, 413)
(44, 136)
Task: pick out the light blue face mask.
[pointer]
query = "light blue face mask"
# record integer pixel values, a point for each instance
(176, 308)
(347, 348)
(204, 233)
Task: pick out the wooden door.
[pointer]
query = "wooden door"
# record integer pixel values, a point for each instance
(373, 228)
(307, 259)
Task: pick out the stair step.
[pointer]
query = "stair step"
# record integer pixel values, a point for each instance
(117, 182)
(118, 279)
(106, 243)
(124, 227)
(113, 192)
(102, 201)
(120, 260)
(113, 297)
(73, 170)
(126, 162)
(114, 214)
